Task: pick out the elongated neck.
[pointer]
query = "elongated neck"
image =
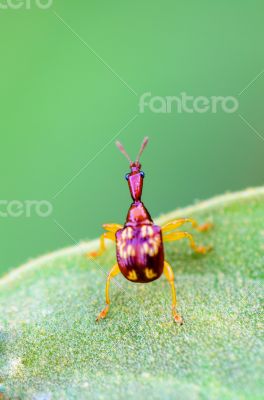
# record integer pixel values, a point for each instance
(138, 215)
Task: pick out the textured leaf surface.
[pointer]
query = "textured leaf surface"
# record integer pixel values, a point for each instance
(52, 348)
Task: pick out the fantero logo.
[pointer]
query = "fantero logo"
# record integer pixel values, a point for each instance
(25, 208)
(25, 4)
(185, 103)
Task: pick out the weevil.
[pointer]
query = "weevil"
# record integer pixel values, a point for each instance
(140, 242)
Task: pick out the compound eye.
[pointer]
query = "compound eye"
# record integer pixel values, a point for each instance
(142, 174)
(127, 176)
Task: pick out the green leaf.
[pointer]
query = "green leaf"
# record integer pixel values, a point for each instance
(52, 348)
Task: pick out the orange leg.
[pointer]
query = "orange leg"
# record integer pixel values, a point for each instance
(168, 272)
(114, 271)
(181, 235)
(102, 247)
(179, 222)
(111, 228)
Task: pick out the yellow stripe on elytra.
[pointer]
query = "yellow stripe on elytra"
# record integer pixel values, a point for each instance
(129, 233)
(150, 231)
(147, 231)
(150, 273)
(145, 247)
(151, 247)
(152, 251)
(131, 251)
(144, 231)
(132, 275)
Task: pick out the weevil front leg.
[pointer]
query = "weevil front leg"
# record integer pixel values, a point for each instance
(181, 235)
(177, 223)
(110, 234)
(102, 246)
(114, 271)
(168, 272)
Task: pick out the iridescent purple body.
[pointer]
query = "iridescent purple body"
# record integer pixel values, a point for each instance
(139, 245)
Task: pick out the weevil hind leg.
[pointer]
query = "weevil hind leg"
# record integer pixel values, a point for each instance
(168, 272)
(114, 271)
(177, 223)
(110, 234)
(170, 237)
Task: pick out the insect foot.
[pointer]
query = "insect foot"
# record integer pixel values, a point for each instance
(203, 249)
(103, 313)
(177, 318)
(205, 227)
(93, 254)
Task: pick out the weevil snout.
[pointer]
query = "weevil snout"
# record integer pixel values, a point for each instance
(136, 176)
(135, 180)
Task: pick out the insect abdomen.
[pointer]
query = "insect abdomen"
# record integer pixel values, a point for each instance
(140, 253)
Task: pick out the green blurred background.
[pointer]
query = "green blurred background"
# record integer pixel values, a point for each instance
(71, 79)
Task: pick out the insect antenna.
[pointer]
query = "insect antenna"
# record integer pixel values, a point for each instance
(144, 144)
(123, 151)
